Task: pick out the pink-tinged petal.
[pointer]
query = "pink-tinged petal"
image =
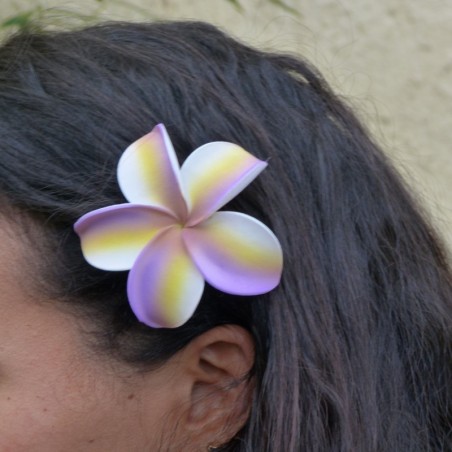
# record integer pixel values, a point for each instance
(164, 285)
(236, 253)
(113, 237)
(148, 173)
(214, 174)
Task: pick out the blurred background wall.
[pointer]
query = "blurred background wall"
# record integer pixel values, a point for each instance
(391, 59)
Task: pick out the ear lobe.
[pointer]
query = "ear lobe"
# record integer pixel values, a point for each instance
(221, 391)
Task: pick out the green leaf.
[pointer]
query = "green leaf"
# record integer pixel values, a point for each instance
(21, 20)
(236, 4)
(285, 6)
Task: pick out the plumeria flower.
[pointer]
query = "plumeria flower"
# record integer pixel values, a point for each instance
(170, 235)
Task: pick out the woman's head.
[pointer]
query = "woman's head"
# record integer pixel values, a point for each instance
(347, 353)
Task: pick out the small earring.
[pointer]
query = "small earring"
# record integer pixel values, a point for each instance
(212, 448)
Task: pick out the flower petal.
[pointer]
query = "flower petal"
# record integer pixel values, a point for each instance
(236, 253)
(113, 237)
(214, 174)
(148, 173)
(164, 285)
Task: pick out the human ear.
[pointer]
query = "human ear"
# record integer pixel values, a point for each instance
(218, 365)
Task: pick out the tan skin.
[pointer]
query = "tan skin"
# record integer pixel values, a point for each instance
(57, 396)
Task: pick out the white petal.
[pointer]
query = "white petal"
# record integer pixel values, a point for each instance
(148, 173)
(214, 174)
(236, 253)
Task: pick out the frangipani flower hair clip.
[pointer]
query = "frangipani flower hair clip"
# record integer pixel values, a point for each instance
(170, 235)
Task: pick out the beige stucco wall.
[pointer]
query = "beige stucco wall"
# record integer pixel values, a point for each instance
(391, 58)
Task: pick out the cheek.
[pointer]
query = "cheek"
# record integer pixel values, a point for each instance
(53, 398)
(52, 410)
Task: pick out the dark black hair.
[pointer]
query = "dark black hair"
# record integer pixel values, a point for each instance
(353, 349)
